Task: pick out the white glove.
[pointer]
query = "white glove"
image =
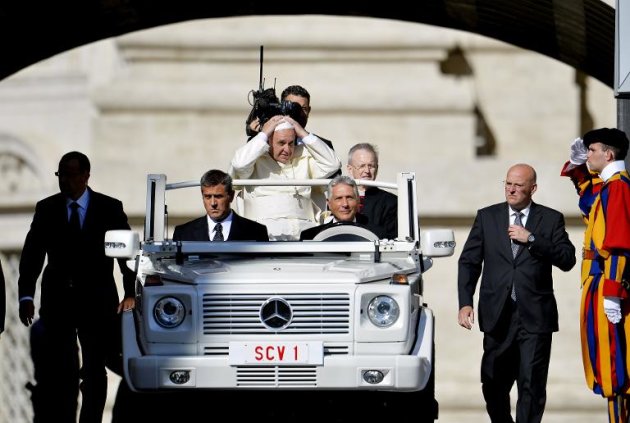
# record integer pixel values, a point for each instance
(612, 307)
(578, 152)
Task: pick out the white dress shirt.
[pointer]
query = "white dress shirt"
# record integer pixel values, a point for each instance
(226, 225)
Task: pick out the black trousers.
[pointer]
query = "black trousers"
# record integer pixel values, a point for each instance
(510, 355)
(56, 371)
(63, 366)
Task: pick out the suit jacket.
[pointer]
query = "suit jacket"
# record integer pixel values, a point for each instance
(74, 267)
(488, 253)
(361, 220)
(381, 208)
(242, 229)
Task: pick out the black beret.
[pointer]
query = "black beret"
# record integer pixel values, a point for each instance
(609, 136)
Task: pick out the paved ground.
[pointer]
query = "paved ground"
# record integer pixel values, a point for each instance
(551, 416)
(469, 408)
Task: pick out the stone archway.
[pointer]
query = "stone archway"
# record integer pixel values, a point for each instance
(579, 33)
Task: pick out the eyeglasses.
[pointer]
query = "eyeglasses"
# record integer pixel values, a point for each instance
(366, 166)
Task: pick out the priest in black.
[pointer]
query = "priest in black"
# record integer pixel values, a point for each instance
(380, 206)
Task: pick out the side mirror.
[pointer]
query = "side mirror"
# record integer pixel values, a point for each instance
(122, 243)
(437, 243)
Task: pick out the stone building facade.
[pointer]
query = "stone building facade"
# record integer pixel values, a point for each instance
(456, 108)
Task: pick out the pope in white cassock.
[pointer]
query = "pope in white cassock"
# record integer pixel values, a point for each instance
(283, 150)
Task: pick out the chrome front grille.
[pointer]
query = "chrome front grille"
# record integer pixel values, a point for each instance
(313, 313)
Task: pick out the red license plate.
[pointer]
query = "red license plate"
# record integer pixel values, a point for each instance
(288, 353)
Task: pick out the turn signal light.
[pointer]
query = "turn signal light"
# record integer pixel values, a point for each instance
(399, 279)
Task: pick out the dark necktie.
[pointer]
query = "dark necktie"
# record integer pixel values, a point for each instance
(218, 236)
(516, 247)
(519, 222)
(74, 222)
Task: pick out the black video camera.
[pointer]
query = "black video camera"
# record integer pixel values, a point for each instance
(265, 105)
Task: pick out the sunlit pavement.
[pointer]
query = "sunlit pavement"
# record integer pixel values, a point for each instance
(550, 416)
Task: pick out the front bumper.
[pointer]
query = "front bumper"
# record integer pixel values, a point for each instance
(401, 372)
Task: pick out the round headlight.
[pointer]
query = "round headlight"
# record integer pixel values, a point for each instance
(169, 312)
(383, 311)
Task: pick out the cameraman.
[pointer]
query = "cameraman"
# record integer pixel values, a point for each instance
(275, 154)
(295, 94)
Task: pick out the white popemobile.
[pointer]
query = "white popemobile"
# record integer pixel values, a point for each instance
(342, 312)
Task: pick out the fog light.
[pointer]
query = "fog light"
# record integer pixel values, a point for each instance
(179, 377)
(373, 376)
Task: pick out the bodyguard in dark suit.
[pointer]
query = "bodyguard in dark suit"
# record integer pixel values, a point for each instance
(79, 298)
(220, 223)
(513, 246)
(379, 206)
(343, 202)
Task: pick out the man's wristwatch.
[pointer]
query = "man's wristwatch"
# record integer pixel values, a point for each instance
(530, 239)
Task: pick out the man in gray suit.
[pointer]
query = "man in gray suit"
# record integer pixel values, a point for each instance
(343, 202)
(220, 222)
(515, 244)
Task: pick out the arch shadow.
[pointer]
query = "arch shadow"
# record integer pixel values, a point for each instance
(579, 33)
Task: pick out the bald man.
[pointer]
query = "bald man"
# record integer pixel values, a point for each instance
(515, 244)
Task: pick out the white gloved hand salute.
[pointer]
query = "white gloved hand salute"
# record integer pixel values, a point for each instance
(579, 152)
(612, 307)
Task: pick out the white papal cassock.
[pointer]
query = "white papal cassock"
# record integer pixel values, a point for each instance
(285, 210)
